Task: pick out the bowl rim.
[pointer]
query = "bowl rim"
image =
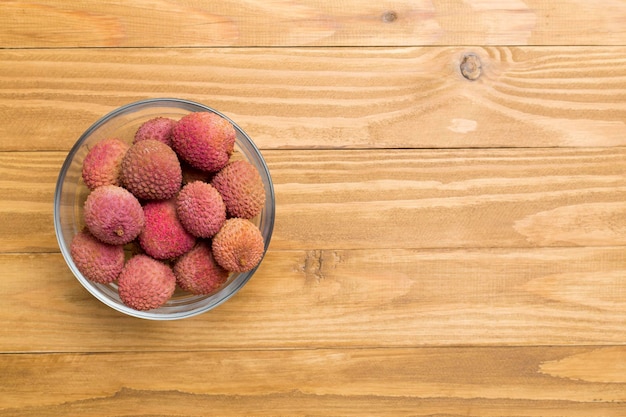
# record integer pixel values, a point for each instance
(91, 286)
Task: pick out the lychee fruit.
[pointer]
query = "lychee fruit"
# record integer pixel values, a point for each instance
(238, 246)
(145, 283)
(241, 188)
(102, 163)
(151, 170)
(158, 128)
(204, 139)
(97, 261)
(197, 272)
(200, 209)
(163, 236)
(113, 215)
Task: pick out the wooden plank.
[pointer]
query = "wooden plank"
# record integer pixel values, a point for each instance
(390, 198)
(50, 24)
(329, 97)
(27, 184)
(440, 199)
(136, 403)
(342, 299)
(398, 382)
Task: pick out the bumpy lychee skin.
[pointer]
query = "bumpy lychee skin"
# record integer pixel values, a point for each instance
(102, 163)
(200, 209)
(113, 215)
(205, 140)
(163, 236)
(145, 283)
(238, 246)
(158, 128)
(97, 261)
(197, 272)
(242, 189)
(151, 170)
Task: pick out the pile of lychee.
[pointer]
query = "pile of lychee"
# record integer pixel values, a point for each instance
(170, 208)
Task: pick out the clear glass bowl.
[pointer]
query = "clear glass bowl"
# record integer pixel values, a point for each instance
(71, 193)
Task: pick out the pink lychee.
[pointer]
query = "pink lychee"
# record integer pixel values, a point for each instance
(102, 163)
(146, 283)
(158, 128)
(204, 139)
(163, 236)
(97, 261)
(151, 170)
(200, 209)
(113, 215)
(197, 272)
(241, 188)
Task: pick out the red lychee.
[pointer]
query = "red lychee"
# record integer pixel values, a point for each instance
(97, 261)
(102, 164)
(158, 128)
(151, 170)
(241, 188)
(163, 236)
(197, 272)
(205, 140)
(200, 209)
(113, 215)
(146, 283)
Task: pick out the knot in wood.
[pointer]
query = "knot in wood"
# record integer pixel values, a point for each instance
(389, 16)
(471, 67)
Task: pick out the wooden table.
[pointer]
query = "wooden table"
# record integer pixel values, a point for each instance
(451, 214)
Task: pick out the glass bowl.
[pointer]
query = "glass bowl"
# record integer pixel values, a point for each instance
(71, 193)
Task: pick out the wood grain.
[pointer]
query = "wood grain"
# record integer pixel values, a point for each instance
(439, 199)
(49, 24)
(450, 225)
(27, 183)
(135, 403)
(390, 198)
(389, 382)
(329, 98)
(346, 299)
